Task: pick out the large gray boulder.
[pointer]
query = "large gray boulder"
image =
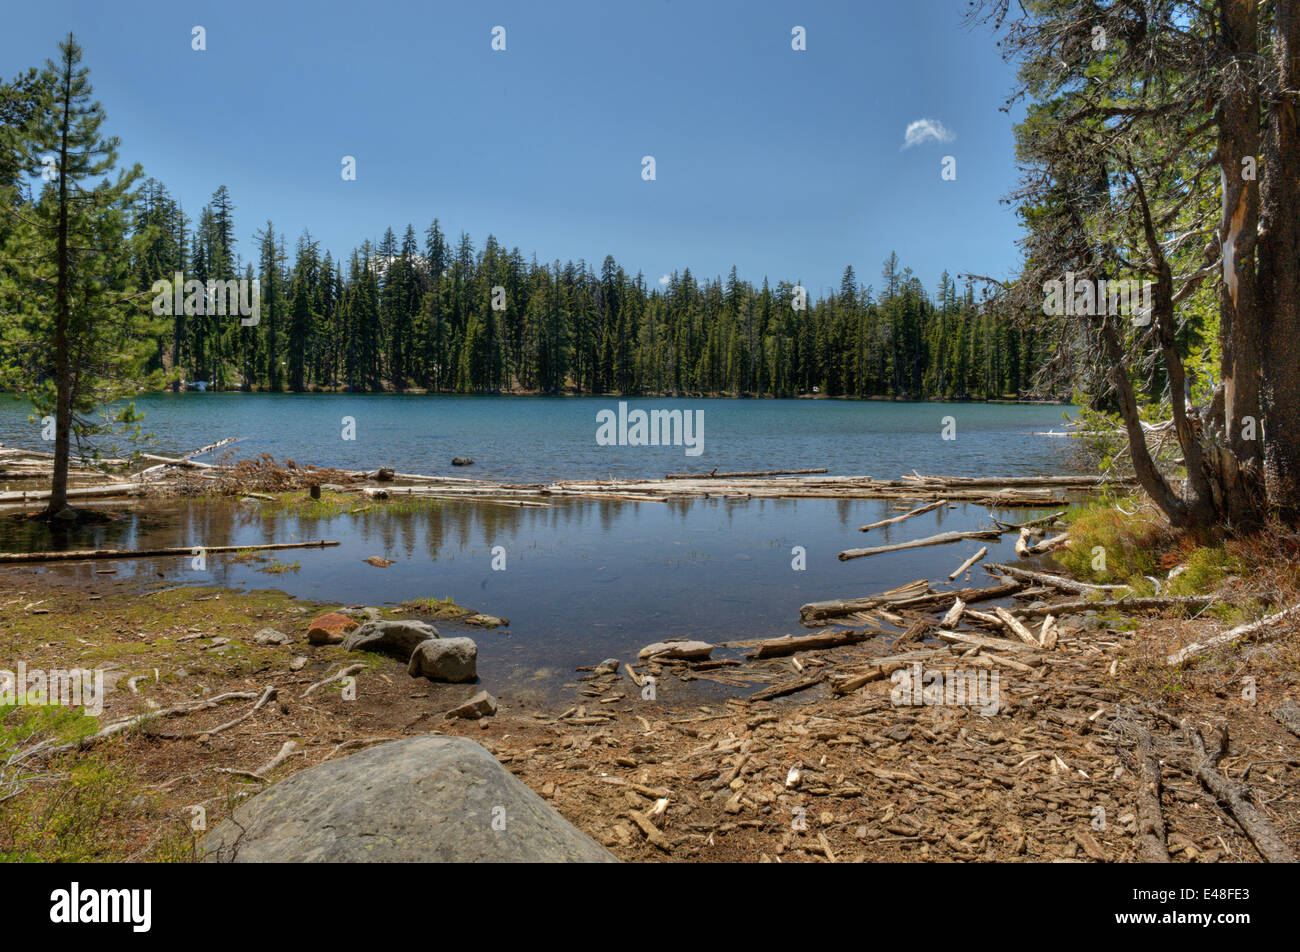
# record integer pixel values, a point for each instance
(445, 659)
(421, 800)
(396, 638)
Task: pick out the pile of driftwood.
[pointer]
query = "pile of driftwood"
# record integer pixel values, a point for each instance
(23, 472)
(1035, 642)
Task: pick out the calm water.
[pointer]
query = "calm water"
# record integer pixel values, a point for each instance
(586, 579)
(546, 438)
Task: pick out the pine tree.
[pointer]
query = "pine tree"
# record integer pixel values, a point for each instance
(81, 338)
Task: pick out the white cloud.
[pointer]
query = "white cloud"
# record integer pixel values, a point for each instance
(664, 279)
(926, 130)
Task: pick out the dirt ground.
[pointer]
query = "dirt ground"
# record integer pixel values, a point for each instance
(1054, 774)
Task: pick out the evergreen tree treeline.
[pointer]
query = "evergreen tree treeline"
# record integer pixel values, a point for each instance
(407, 314)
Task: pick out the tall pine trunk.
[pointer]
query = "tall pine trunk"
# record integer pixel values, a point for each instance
(1236, 450)
(1279, 269)
(62, 316)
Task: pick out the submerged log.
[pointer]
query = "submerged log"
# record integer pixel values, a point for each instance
(79, 555)
(942, 538)
(746, 475)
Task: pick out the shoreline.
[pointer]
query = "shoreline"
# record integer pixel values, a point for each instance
(794, 749)
(820, 774)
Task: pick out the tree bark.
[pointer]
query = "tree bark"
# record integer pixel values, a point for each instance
(62, 308)
(1279, 268)
(1149, 476)
(1236, 446)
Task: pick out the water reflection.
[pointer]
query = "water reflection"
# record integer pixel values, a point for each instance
(584, 579)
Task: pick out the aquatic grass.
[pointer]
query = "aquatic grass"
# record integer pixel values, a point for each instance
(333, 504)
(436, 607)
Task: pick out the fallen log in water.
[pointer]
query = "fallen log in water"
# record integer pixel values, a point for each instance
(88, 492)
(744, 475)
(907, 515)
(79, 555)
(1047, 545)
(942, 538)
(1032, 523)
(1055, 581)
(1020, 481)
(839, 607)
(984, 550)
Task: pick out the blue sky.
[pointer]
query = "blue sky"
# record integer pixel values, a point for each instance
(786, 164)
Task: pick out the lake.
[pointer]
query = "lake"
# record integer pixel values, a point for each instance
(533, 439)
(586, 579)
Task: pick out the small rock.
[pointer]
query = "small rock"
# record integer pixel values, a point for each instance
(269, 636)
(329, 629)
(684, 650)
(298, 663)
(445, 659)
(462, 461)
(398, 638)
(378, 562)
(485, 621)
(480, 705)
(608, 666)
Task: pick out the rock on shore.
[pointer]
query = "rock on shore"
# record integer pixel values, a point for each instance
(397, 638)
(419, 800)
(445, 659)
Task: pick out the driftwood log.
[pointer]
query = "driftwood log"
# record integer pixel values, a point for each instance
(907, 515)
(80, 555)
(788, 645)
(1241, 632)
(943, 538)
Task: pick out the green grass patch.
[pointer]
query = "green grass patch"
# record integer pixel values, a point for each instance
(1109, 546)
